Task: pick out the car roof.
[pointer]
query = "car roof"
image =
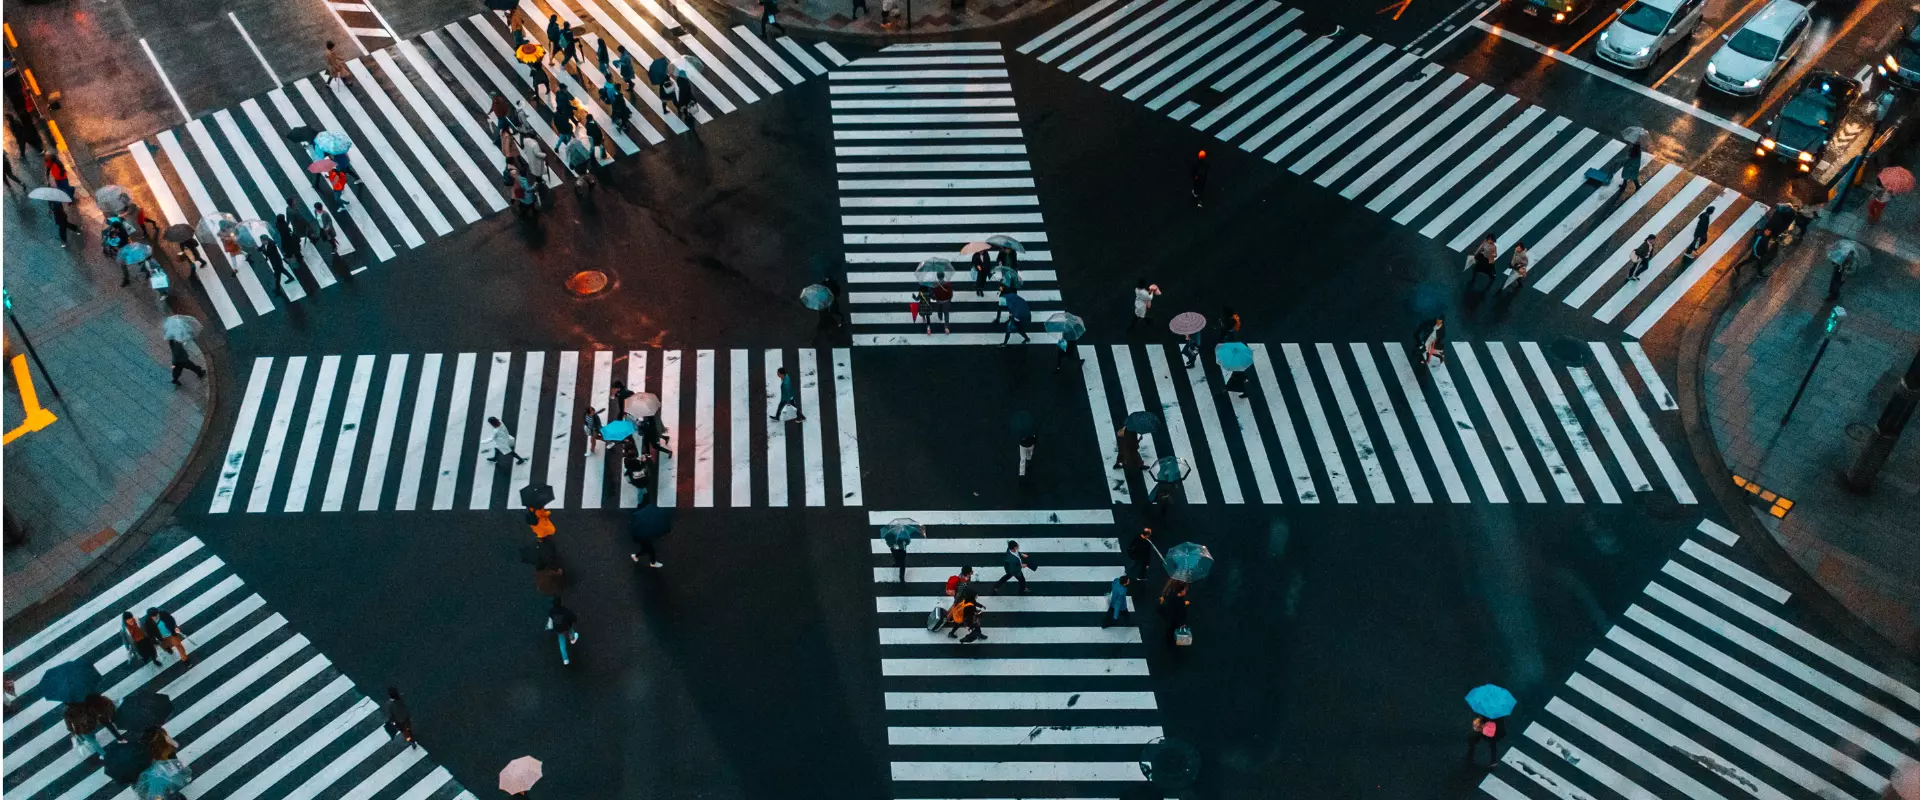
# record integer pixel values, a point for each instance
(1776, 18)
(1663, 5)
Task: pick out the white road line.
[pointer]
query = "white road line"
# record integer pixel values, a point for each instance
(935, 736)
(1130, 54)
(1389, 420)
(313, 431)
(1253, 90)
(1550, 168)
(1364, 121)
(485, 187)
(1170, 413)
(813, 448)
(462, 116)
(1338, 111)
(995, 545)
(236, 193)
(593, 473)
(1028, 771)
(291, 116)
(382, 448)
(164, 80)
(767, 52)
(1423, 418)
(1317, 422)
(636, 383)
(1580, 759)
(1248, 14)
(588, 99)
(1730, 237)
(739, 59)
(1410, 144)
(1718, 532)
(1634, 754)
(1739, 573)
(242, 438)
(843, 422)
(1630, 403)
(377, 139)
(1602, 232)
(1088, 33)
(776, 432)
(643, 92)
(277, 202)
(1692, 750)
(703, 432)
(1257, 460)
(1617, 261)
(1649, 376)
(800, 54)
(1240, 48)
(273, 448)
(739, 397)
(560, 440)
(299, 754)
(457, 429)
(1204, 406)
(1132, 399)
(1391, 133)
(1272, 99)
(163, 195)
(1469, 434)
(1074, 21)
(1569, 220)
(396, 216)
(591, 74)
(1570, 423)
(196, 190)
(1471, 164)
(1603, 419)
(1497, 419)
(1356, 423)
(1012, 667)
(1103, 426)
(1097, 516)
(919, 635)
(1023, 701)
(507, 88)
(1675, 246)
(1058, 575)
(251, 46)
(1485, 182)
(1296, 456)
(1365, 65)
(299, 178)
(425, 393)
(493, 405)
(1536, 426)
(667, 466)
(348, 434)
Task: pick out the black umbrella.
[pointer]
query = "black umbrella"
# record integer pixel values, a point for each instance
(143, 710)
(649, 523)
(178, 233)
(125, 761)
(302, 134)
(71, 682)
(536, 495)
(657, 71)
(1142, 422)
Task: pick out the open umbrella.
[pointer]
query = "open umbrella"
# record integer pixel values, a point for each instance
(1849, 253)
(1008, 277)
(933, 271)
(1490, 701)
(112, 199)
(70, 682)
(657, 71)
(50, 193)
(143, 710)
(528, 53)
(643, 405)
(302, 134)
(1142, 422)
(649, 522)
(219, 226)
(135, 253)
(332, 143)
(163, 780)
(520, 775)
(321, 167)
(974, 247)
(1171, 469)
(816, 297)
(617, 430)
(1187, 322)
(1067, 325)
(254, 230)
(1188, 561)
(1635, 134)
(1233, 356)
(1017, 308)
(536, 495)
(683, 63)
(901, 531)
(1898, 180)
(1003, 240)
(180, 328)
(576, 152)
(124, 761)
(178, 233)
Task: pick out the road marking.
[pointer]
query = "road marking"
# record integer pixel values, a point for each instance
(636, 383)
(493, 406)
(1497, 419)
(1170, 413)
(667, 465)
(1103, 426)
(1536, 426)
(1389, 420)
(1603, 419)
(164, 80)
(410, 469)
(850, 493)
(277, 425)
(739, 397)
(776, 431)
(1629, 402)
(703, 432)
(1095, 516)
(455, 438)
(560, 444)
(1469, 434)
(1423, 417)
(1205, 406)
(375, 239)
(255, 48)
(382, 448)
(315, 428)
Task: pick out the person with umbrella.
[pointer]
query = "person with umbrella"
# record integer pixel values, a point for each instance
(182, 235)
(1140, 552)
(520, 775)
(134, 638)
(1488, 703)
(84, 721)
(1128, 440)
(561, 620)
(1017, 317)
(897, 535)
(112, 238)
(1168, 472)
(1236, 359)
(183, 361)
(57, 207)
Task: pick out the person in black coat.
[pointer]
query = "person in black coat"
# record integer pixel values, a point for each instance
(1173, 607)
(1140, 553)
(1431, 339)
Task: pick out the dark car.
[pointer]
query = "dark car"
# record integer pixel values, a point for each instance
(1558, 12)
(1901, 64)
(1806, 123)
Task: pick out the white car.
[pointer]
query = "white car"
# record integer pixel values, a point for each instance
(1754, 55)
(1646, 29)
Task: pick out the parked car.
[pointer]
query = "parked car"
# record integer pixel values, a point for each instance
(1805, 125)
(1646, 29)
(1761, 49)
(1901, 64)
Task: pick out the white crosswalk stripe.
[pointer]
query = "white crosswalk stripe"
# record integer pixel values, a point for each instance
(253, 686)
(1052, 702)
(1705, 689)
(427, 154)
(1431, 149)
(902, 118)
(314, 431)
(1495, 424)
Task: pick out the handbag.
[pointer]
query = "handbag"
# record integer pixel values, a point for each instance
(1183, 636)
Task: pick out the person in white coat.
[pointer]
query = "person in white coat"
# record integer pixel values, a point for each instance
(501, 440)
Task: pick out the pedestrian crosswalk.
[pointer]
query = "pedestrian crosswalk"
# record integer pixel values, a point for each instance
(1452, 158)
(931, 157)
(258, 712)
(1365, 422)
(1706, 690)
(302, 440)
(1050, 704)
(425, 147)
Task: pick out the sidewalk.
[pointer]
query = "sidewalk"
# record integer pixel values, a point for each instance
(1862, 549)
(832, 19)
(91, 481)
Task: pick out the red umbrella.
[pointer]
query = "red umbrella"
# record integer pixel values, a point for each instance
(321, 167)
(1897, 180)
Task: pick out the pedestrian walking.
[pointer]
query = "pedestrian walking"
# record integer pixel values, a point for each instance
(561, 620)
(83, 721)
(982, 267)
(617, 107)
(165, 632)
(769, 18)
(645, 527)
(190, 252)
(271, 249)
(540, 521)
(1000, 303)
(284, 229)
(509, 148)
(1236, 382)
(960, 584)
(336, 182)
(1143, 294)
(6, 162)
(553, 37)
(26, 133)
(1016, 323)
(562, 107)
(1700, 226)
(182, 361)
(1068, 348)
(1009, 258)
(625, 64)
(1760, 251)
(526, 195)
(920, 309)
(1140, 552)
(1630, 166)
(897, 542)
(591, 425)
(569, 46)
(1431, 340)
(889, 11)
(1517, 265)
(1199, 177)
(134, 638)
(1027, 445)
(57, 173)
(501, 440)
(61, 224)
(1488, 731)
(1842, 270)
(787, 396)
(965, 613)
(1016, 564)
(1877, 203)
(337, 68)
(942, 305)
(1173, 607)
(1642, 258)
(1117, 610)
(600, 56)
(859, 6)
(1128, 456)
(399, 719)
(1228, 327)
(1190, 349)
(324, 230)
(502, 112)
(832, 312)
(1481, 261)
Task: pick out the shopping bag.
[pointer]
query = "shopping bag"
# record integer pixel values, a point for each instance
(1183, 636)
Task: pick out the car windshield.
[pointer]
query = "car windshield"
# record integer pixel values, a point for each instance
(1913, 36)
(1806, 119)
(1753, 45)
(1645, 19)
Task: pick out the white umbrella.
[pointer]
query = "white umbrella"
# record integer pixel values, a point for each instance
(520, 775)
(643, 405)
(180, 328)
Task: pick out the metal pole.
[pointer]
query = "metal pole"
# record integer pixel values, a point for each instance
(33, 353)
(1900, 407)
(1804, 381)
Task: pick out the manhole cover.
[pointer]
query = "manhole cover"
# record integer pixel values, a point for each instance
(1569, 351)
(588, 283)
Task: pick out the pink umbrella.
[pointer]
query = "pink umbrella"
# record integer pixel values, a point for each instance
(520, 775)
(1897, 180)
(321, 167)
(1188, 322)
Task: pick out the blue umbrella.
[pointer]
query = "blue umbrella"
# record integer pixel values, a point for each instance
(70, 682)
(816, 297)
(1017, 308)
(1141, 422)
(617, 430)
(901, 531)
(1233, 356)
(650, 522)
(1490, 701)
(1188, 562)
(135, 253)
(332, 143)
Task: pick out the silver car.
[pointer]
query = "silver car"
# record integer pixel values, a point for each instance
(1647, 29)
(1755, 55)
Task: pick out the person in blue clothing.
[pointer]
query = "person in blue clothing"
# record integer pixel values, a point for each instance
(1117, 602)
(1016, 564)
(787, 397)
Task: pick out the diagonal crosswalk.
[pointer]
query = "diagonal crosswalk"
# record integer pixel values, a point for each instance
(1365, 422)
(931, 156)
(425, 147)
(1452, 158)
(259, 712)
(1706, 690)
(405, 431)
(1051, 704)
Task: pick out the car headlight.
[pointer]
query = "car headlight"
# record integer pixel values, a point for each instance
(1750, 83)
(1560, 17)
(1711, 69)
(1605, 35)
(1806, 157)
(1893, 63)
(1642, 52)
(1768, 144)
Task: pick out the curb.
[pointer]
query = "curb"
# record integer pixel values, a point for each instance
(737, 15)
(1690, 388)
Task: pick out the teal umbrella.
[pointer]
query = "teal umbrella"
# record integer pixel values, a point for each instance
(933, 271)
(901, 531)
(135, 253)
(1008, 277)
(1188, 562)
(1067, 325)
(1233, 356)
(1488, 700)
(1003, 240)
(1142, 422)
(332, 143)
(70, 682)
(1171, 469)
(816, 297)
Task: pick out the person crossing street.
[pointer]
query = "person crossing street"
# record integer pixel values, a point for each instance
(1016, 564)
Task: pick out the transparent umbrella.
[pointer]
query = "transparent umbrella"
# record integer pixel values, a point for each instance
(219, 225)
(1008, 277)
(254, 230)
(112, 199)
(901, 531)
(1003, 240)
(816, 297)
(1171, 469)
(1849, 253)
(643, 405)
(1067, 325)
(1188, 561)
(933, 271)
(180, 328)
